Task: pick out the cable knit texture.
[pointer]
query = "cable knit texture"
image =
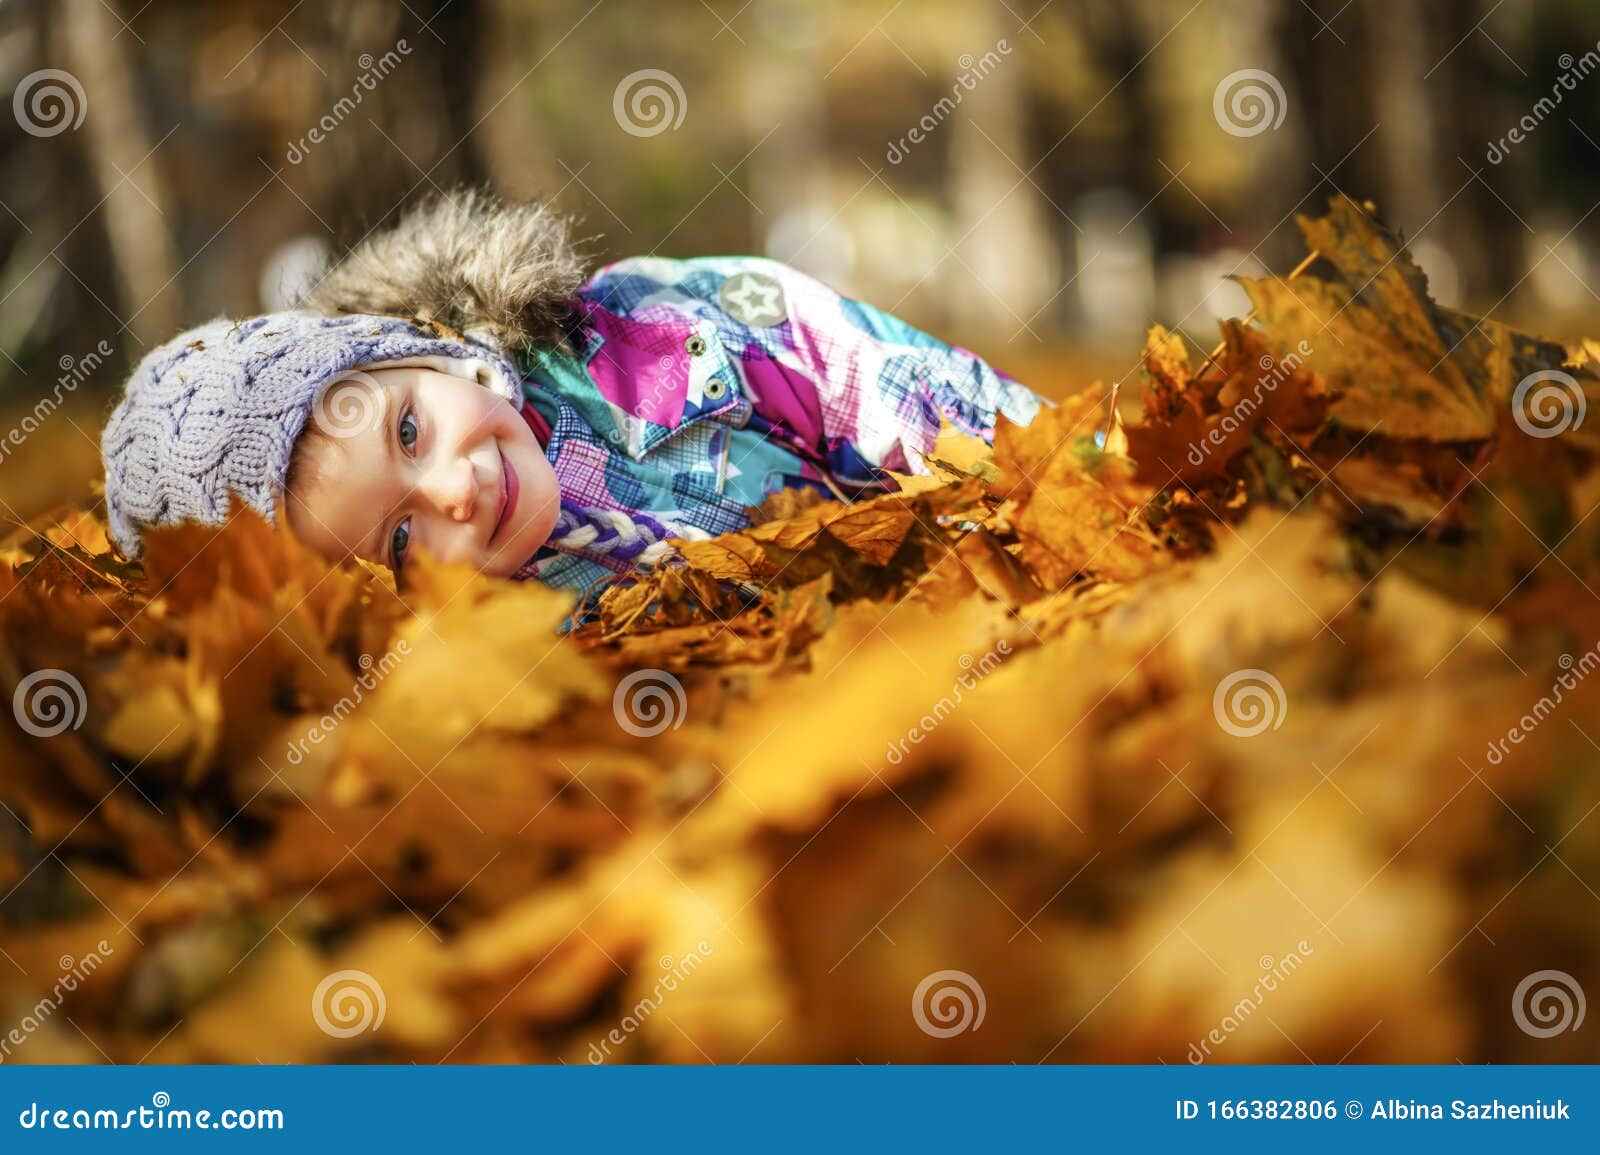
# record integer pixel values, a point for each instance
(216, 411)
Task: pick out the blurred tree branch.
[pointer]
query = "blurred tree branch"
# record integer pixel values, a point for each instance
(131, 189)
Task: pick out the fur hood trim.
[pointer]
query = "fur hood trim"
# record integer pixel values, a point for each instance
(464, 261)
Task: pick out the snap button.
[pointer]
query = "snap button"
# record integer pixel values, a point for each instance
(696, 345)
(716, 388)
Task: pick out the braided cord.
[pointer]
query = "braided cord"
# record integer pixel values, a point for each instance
(626, 542)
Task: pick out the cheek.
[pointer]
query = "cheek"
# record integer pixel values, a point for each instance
(495, 419)
(544, 485)
(324, 519)
(462, 413)
(445, 540)
(538, 506)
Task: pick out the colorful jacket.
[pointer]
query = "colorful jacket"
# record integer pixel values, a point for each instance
(700, 386)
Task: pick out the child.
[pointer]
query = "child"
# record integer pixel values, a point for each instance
(456, 385)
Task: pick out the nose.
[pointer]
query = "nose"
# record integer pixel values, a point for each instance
(452, 487)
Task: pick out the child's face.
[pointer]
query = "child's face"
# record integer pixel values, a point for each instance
(409, 458)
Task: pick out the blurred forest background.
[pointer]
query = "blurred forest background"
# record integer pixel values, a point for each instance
(1037, 179)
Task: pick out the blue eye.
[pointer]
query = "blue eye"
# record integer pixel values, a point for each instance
(398, 541)
(408, 431)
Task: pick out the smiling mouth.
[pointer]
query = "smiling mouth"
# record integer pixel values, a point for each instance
(509, 487)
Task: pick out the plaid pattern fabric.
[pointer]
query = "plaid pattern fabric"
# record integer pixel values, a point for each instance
(700, 386)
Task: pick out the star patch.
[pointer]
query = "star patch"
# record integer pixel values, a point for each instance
(754, 299)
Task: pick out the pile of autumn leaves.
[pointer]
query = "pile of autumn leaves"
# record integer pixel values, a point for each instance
(1053, 756)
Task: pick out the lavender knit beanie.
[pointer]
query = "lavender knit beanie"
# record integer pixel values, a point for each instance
(217, 410)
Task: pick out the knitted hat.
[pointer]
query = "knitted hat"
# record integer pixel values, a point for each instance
(217, 410)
